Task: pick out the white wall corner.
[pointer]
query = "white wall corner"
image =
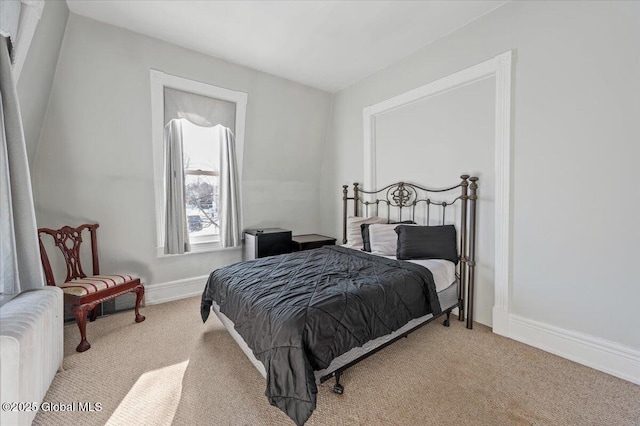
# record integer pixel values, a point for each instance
(174, 290)
(502, 218)
(500, 321)
(603, 355)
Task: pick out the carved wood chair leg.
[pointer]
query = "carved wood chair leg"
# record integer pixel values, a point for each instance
(81, 318)
(139, 295)
(94, 313)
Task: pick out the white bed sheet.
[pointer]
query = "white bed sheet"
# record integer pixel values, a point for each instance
(444, 271)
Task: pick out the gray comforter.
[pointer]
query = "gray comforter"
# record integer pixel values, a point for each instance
(299, 311)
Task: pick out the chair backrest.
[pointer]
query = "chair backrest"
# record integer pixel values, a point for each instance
(68, 240)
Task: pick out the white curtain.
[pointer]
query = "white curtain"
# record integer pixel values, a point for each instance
(200, 110)
(176, 233)
(205, 112)
(20, 266)
(230, 228)
(9, 20)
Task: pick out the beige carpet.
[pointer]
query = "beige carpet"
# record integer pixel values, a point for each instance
(172, 369)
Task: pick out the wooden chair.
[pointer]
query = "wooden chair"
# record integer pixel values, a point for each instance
(85, 293)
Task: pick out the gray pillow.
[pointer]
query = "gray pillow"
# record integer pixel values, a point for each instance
(366, 246)
(427, 242)
(354, 233)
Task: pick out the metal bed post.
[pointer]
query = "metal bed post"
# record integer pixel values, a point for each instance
(463, 248)
(472, 248)
(401, 201)
(355, 199)
(344, 213)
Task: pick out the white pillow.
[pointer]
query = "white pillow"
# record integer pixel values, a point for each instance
(354, 233)
(383, 238)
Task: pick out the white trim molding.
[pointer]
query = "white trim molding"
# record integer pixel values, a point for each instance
(160, 80)
(601, 354)
(499, 67)
(174, 290)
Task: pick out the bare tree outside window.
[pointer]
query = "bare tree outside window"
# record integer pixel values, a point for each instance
(201, 195)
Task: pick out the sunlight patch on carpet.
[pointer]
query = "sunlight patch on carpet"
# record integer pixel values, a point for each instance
(153, 399)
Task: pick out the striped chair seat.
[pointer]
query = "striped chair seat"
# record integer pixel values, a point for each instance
(88, 285)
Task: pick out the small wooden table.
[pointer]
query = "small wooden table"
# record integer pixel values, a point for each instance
(311, 241)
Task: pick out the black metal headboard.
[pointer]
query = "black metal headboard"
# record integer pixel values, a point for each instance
(402, 197)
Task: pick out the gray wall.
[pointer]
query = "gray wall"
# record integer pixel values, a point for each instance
(575, 153)
(36, 78)
(94, 163)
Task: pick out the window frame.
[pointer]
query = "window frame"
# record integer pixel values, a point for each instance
(160, 80)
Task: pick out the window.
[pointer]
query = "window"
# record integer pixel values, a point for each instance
(197, 134)
(201, 153)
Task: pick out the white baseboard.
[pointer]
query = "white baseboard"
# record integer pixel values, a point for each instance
(174, 290)
(600, 354)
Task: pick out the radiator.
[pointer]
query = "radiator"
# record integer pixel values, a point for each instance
(31, 349)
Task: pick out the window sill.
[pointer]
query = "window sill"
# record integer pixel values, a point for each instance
(197, 249)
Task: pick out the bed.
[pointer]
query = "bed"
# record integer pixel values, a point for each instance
(305, 317)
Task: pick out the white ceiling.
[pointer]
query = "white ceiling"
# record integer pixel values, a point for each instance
(325, 44)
